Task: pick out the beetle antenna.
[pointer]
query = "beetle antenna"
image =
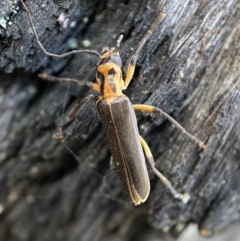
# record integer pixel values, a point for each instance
(118, 43)
(44, 50)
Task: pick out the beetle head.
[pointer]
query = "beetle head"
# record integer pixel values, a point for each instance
(111, 55)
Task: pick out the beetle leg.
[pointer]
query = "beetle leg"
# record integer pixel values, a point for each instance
(158, 111)
(184, 198)
(68, 80)
(133, 60)
(130, 71)
(74, 112)
(60, 135)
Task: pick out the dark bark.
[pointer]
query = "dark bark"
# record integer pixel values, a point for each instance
(189, 68)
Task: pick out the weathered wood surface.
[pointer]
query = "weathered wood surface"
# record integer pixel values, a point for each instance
(189, 68)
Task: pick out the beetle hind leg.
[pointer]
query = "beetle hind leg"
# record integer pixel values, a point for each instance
(183, 197)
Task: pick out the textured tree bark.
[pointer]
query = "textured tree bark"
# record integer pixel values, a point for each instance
(189, 68)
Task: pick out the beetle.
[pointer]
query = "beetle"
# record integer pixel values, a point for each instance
(116, 112)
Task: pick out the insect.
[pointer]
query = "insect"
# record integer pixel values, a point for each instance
(116, 112)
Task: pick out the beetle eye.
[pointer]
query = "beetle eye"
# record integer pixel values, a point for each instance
(116, 60)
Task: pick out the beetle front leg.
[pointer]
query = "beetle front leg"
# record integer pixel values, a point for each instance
(133, 60)
(158, 111)
(184, 198)
(130, 71)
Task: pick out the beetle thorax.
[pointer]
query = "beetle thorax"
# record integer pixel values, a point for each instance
(109, 78)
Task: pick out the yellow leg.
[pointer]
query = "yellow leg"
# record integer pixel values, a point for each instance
(158, 111)
(130, 72)
(133, 60)
(184, 198)
(68, 80)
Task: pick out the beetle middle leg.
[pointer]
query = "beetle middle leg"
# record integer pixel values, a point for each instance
(60, 135)
(184, 198)
(158, 111)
